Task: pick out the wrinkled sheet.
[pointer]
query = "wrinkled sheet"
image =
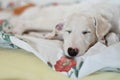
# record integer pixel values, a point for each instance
(98, 58)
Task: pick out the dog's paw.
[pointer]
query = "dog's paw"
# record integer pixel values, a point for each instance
(49, 36)
(14, 26)
(112, 38)
(12, 30)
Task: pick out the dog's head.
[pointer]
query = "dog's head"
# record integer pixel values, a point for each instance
(80, 32)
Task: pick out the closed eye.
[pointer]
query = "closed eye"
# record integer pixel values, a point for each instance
(86, 32)
(69, 31)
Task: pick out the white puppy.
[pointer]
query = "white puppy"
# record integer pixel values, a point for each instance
(93, 23)
(97, 20)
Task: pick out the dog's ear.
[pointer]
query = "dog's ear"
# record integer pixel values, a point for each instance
(102, 27)
(56, 33)
(59, 27)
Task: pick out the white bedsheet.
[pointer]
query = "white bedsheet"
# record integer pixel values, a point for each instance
(98, 57)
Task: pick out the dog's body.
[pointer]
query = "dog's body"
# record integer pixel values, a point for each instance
(40, 19)
(92, 21)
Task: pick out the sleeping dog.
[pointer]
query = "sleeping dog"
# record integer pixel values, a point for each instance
(95, 21)
(80, 26)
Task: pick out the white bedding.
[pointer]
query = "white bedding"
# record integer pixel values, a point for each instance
(98, 57)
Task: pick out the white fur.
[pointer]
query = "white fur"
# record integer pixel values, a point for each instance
(98, 17)
(40, 19)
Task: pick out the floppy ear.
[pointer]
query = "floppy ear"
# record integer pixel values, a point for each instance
(102, 27)
(59, 26)
(56, 33)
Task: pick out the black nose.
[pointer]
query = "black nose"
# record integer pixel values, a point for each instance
(72, 52)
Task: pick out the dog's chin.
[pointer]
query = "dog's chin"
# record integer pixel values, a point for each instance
(79, 54)
(66, 55)
(69, 57)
